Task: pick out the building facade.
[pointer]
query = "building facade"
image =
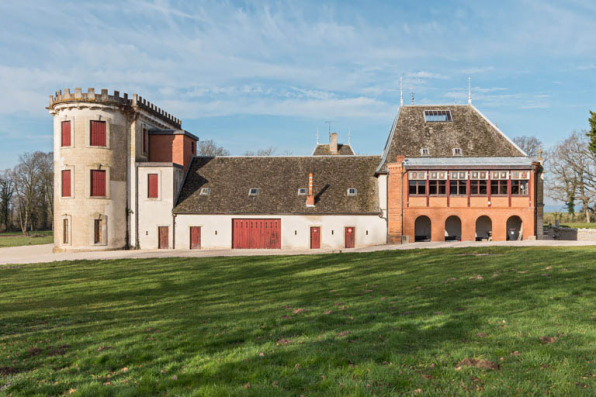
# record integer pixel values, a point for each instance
(127, 176)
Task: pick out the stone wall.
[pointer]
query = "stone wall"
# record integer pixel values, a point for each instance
(569, 234)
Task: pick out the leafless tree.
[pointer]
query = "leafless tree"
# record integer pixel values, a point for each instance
(528, 144)
(571, 168)
(6, 192)
(26, 177)
(210, 148)
(270, 151)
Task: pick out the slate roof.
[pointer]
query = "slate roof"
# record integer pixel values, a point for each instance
(278, 180)
(342, 150)
(470, 131)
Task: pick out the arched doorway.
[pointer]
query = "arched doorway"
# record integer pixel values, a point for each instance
(453, 228)
(515, 228)
(484, 228)
(422, 228)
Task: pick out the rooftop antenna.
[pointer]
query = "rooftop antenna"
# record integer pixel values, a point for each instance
(469, 90)
(317, 135)
(329, 123)
(412, 89)
(401, 91)
(349, 136)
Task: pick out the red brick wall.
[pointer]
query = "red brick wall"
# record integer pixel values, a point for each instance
(171, 149)
(439, 209)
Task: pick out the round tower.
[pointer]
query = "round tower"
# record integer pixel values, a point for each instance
(90, 169)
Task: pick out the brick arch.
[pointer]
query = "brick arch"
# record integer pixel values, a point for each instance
(453, 228)
(423, 228)
(482, 229)
(514, 225)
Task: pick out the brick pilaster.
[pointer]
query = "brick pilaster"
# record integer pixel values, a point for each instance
(395, 200)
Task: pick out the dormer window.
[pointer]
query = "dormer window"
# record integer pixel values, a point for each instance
(352, 191)
(205, 191)
(425, 151)
(253, 191)
(437, 116)
(302, 191)
(456, 151)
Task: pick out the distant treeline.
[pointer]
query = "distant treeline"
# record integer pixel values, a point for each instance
(27, 194)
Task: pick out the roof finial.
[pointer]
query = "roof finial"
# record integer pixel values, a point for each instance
(401, 92)
(349, 136)
(412, 89)
(469, 90)
(317, 135)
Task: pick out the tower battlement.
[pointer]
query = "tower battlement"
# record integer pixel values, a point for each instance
(136, 102)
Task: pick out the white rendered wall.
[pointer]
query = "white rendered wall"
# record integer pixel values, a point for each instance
(382, 189)
(157, 212)
(216, 230)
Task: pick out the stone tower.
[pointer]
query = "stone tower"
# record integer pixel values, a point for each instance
(99, 141)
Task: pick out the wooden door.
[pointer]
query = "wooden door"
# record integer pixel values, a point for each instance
(350, 237)
(164, 240)
(97, 235)
(256, 233)
(315, 237)
(195, 238)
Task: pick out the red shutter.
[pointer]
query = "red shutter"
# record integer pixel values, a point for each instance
(98, 183)
(66, 133)
(98, 133)
(66, 183)
(152, 186)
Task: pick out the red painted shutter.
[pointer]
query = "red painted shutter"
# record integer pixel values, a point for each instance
(66, 183)
(152, 186)
(98, 133)
(66, 133)
(98, 183)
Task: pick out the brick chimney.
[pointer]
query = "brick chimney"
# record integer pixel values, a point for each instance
(310, 199)
(333, 143)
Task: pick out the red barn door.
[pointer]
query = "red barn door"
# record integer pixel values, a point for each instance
(256, 233)
(315, 237)
(195, 238)
(350, 239)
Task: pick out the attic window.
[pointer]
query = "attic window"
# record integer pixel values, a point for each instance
(456, 151)
(253, 191)
(425, 151)
(352, 191)
(302, 192)
(437, 116)
(205, 191)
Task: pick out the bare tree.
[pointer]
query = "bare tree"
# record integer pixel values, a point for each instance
(528, 144)
(210, 148)
(6, 192)
(46, 189)
(270, 151)
(572, 172)
(26, 177)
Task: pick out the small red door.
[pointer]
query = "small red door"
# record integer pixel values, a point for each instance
(164, 241)
(195, 238)
(350, 239)
(315, 237)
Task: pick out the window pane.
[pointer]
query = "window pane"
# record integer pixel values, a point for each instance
(462, 187)
(503, 188)
(442, 187)
(524, 188)
(515, 188)
(453, 187)
(413, 185)
(433, 187)
(482, 187)
(494, 187)
(474, 187)
(422, 188)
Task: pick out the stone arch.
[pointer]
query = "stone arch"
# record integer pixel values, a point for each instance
(422, 228)
(515, 228)
(484, 228)
(453, 228)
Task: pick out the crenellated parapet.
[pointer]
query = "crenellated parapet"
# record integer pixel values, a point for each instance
(136, 103)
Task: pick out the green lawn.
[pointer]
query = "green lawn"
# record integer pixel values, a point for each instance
(15, 239)
(580, 225)
(426, 322)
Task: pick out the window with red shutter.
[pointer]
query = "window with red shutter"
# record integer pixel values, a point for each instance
(152, 186)
(66, 133)
(98, 183)
(66, 191)
(98, 133)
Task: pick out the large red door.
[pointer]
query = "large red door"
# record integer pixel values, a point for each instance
(315, 237)
(350, 239)
(256, 233)
(164, 241)
(195, 238)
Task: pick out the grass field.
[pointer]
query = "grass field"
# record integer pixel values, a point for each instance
(15, 239)
(498, 321)
(580, 225)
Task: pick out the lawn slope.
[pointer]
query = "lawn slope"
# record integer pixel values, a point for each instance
(499, 321)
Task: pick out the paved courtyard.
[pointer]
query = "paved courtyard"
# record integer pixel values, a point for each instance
(43, 253)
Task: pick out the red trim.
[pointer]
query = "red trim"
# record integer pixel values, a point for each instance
(427, 189)
(468, 186)
(448, 187)
(509, 188)
(488, 189)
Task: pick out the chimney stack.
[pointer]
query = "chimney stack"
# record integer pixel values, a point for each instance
(333, 143)
(310, 199)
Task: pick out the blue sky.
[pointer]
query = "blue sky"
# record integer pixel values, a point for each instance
(256, 74)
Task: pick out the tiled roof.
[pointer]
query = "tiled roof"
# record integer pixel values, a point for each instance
(469, 131)
(469, 162)
(278, 180)
(342, 150)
